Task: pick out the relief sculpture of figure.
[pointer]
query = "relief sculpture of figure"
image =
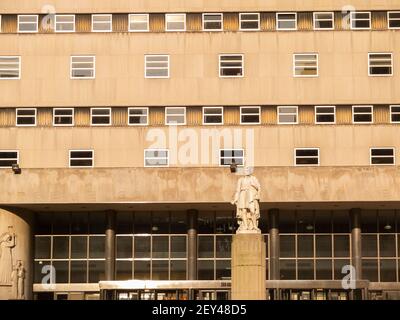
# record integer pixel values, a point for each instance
(7, 243)
(18, 278)
(247, 199)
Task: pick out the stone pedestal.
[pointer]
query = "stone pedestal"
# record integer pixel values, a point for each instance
(248, 267)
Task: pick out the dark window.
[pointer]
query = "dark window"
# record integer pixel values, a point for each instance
(223, 246)
(78, 271)
(231, 65)
(142, 270)
(78, 247)
(178, 246)
(382, 156)
(223, 269)
(160, 270)
(42, 247)
(96, 246)
(369, 245)
(323, 269)
(178, 269)
(370, 269)
(288, 269)
(227, 157)
(142, 247)
(123, 270)
(342, 246)
(96, 271)
(305, 269)
(387, 245)
(81, 158)
(101, 116)
(206, 247)
(388, 270)
(160, 247)
(124, 247)
(287, 246)
(60, 247)
(61, 268)
(8, 158)
(307, 157)
(323, 246)
(305, 246)
(206, 269)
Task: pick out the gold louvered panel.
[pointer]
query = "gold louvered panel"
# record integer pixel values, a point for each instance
(156, 116)
(45, 117)
(342, 21)
(120, 22)
(231, 115)
(306, 115)
(194, 22)
(157, 22)
(305, 21)
(83, 23)
(344, 115)
(381, 114)
(82, 117)
(46, 23)
(231, 21)
(119, 116)
(194, 116)
(7, 117)
(268, 21)
(379, 20)
(269, 115)
(9, 23)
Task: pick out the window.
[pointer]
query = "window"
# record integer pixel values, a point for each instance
(382, 156)
(100, 116)
(27, 23)
(360, 20)
(249, 21)
(305, 65)
(212, 21)
(0, 23)
(175, 116)
(286, 21)
(138, 116)
(213, 115)
(380, 64)
(394, 19)
(323, 21)
(250, 115)
(83, 67)
(63, 117)
(175, 22)
(156, 157)
(306, 157)
(65, 23)
(101, 22)
(157, 66)
(325, 114)
(395, 114)
(26, 117)
(8, 158)
(287, 115)
(10, 67)
(362, 114)
(229, 156)
(81, 158)
(231, 65)
(138, 22)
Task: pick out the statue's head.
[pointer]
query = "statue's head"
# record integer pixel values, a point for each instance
(248, 171)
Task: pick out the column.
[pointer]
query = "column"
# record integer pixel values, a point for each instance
(192, 216)
(356, 256)
(110, 245)
(273, 219)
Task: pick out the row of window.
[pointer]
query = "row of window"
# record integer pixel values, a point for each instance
(249, 115)
(160, 157)
(360, 20)
(230, 65)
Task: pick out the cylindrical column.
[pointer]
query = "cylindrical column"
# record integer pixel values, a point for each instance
(192, 216)
(356, 255)
(273, 218)
(110, 245)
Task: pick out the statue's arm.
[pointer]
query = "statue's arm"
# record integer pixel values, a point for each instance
(236, 196)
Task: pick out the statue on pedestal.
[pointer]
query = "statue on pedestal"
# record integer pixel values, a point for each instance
(246, 199)
(18, 277)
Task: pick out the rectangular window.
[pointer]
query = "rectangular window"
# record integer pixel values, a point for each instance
(305, 65)
(380, 64)
(156, 157)
(325, 114)
(323, 21)
(26, 117)
(229, 156)
(138, 116)
(83, 67)
(63, 117)
(101, 22)
(249, 21)
(10, 67)
(81, 158)
(382, 156)
(286, 21)
(231, 65)
(100, 116)
(138, 22)
(250, 115)
(157, 66)
(175, 22)
(213, 21)
(306, 156)
(8, 158)
(175, 116)
(65, 23)
(395, 114)
(213, 115)
(363, 114)
(394, 19)
(360, 20)
(287, 115)
(28, 23)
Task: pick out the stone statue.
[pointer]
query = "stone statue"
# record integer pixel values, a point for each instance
(18, 278)
(247, 199)
(7, 243)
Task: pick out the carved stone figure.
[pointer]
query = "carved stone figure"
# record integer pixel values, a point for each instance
(7, 243)
(247, 199)
(18, 278)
